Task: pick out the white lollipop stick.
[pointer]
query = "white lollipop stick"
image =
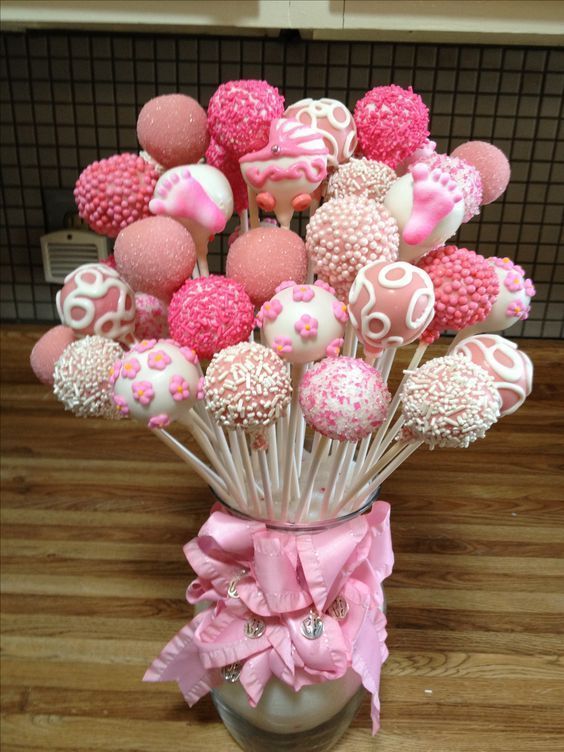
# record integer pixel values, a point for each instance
(273, 456)
(249, 474)
(266, 485)
(386, 362)
(337, 463)
(318, 456)
(369, 474)
(289, 458)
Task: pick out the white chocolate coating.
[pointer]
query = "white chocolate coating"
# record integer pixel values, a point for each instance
(498, 318)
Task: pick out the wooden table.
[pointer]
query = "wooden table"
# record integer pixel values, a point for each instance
(93, 579)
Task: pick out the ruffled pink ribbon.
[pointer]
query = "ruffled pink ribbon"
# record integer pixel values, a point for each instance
(249, 571)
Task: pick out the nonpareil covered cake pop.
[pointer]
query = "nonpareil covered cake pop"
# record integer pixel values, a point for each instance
(47, 350)
(491, 163)
(151, 317)
(361, 177)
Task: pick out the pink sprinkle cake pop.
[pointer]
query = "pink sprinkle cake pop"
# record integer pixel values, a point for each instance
(510, 368)
(209, 314)
(96, 300)
(391, 122)
(114, 192)
(155, 255)
(47, 350)
(343, 398)
(303, 323)
(225, 162)
(466, 177)
(156, 382)
(390, 304)
(151, 317)
(263, 258)
(491, 163)
(173, 128)
(361, 177)
(347, 233)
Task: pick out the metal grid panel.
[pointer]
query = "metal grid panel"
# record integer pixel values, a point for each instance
(70, 98)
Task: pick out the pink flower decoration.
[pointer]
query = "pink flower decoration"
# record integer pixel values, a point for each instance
(143, 392)
(502, 263)
(285, 285)
(513, 281)
(303, 292)
(121, 404)
(519, 309)
(271, 310)
(145, 344)
(282, 345)
(201, 388)
(114, 372)
(530, 290)
(324, 286)
(159, 421)
(258, 320)
(158, 360)
(334, 348)
(179, 388)
(519, 269)
(190, 355)
(340, 311)
(130, 368)
(306, 326)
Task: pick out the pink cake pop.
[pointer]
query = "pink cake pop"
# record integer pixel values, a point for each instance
(303, 323)
(390, 304)
(218, 157)
(510, 368)
(263, 258)
(391, 122)
(466, 287)
(47, 350)
(343, 398)
(423, 153)
(333, 120)
(240, 113)
(114, 192)
(361, 177)
(491, 163)
(466, 177)
(96, 300)
(155, 255)
(156, 382)
(347, 233)
(266, 223)
(150, 317)
(173, 129)
(209, 314)
(287, 170)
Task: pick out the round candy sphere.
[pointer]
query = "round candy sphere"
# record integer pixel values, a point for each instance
(344, 398)
(155, 255)
(173, 128)
(361, 177)
(465, 176)
(151, 314)
(491, 163)
(263, 258)
(209, 314)
(303, 323)
(96, 300)
(156, 382)
(449, 402)
(225, 162)
(510, 368)
(114, 192)
(47, 350)
(390, 304)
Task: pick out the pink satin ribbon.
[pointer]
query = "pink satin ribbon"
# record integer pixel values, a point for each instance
(281, 577)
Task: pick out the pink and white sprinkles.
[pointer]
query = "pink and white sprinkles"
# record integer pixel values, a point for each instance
(361, 177)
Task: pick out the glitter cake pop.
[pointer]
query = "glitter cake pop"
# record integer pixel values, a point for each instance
(491, 163)
(47, 350)
(361, 177)
(150, 317)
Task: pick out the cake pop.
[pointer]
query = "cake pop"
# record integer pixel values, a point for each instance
(263, 258)
(466, 177)
(237, 232)
(361, 177)
(80, 377)
(173, 129)
(287, 170)
(47, 350)
(343, 398)
(155, 255)
(303, 323)
(150, 317)
(225, 162)
(390, 304)
(96, 300)
(423, 153)
(114, 192)
(491, 163)
(347, 233)
(156, 382)
(209, 314)
(510, 368)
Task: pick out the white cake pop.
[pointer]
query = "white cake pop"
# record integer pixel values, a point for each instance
(333, 120)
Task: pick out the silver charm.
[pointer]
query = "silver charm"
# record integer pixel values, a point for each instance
(232, 672)
(339, 608)
(312, 626)
(254, 628)
(232, 589)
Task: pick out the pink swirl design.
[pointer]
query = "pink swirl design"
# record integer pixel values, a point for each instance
(313, 170)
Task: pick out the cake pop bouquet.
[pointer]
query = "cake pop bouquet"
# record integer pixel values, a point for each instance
(280, 368)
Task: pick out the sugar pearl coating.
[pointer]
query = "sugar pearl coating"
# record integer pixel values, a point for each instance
(491, 163)
(173, 129)
(465, 285)
(247, 386)
(344, 398)
(151, 317)
(449, 402)
(218, 157)
(361, 177)
(391, 122)
(467, 178)
(347, 233)
(209, 314)
(47, 350)
(114, 192)
(81, 377)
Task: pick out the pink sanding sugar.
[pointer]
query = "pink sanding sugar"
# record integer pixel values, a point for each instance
(216, 156)
(491, 163)
(466, 176)
(48, 350)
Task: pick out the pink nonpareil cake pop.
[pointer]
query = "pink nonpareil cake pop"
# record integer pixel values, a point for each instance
(156, 382)
(287, 170)
(467, 178)
(151, 317)
(225, 162)
(361, 177)
(343, 398)
(47, 350)
(96, 300)
(390, 304)
(510, 368)
(491, 163)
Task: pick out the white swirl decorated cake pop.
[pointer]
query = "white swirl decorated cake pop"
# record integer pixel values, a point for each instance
(390, 304)
(333, 120)
(96, 300)
(287, 170)
(156, 382)
(510, 368)
(303, 323)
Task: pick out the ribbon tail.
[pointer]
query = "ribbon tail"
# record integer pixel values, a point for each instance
(255, 675)
(367, 662)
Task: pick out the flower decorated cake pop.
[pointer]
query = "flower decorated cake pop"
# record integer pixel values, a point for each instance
(510, 368)
(390, 304)
(209, 314)
(47, 350)
(449, 402)
(491, 163)
(112, 193)
(465, 176)
(81, 377)
(344, 398)
(96, 300)
(335, 123)
(361, 177)
(225, 162)
(303, 323)
(151, 317)
(347, 233)
(287, 170)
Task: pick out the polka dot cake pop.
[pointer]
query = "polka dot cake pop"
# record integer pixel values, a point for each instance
(156, 382)
(47, 350)
(361, 177)
(343, 398)
(151, 317)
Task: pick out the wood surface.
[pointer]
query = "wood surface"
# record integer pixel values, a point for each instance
(94, 518)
